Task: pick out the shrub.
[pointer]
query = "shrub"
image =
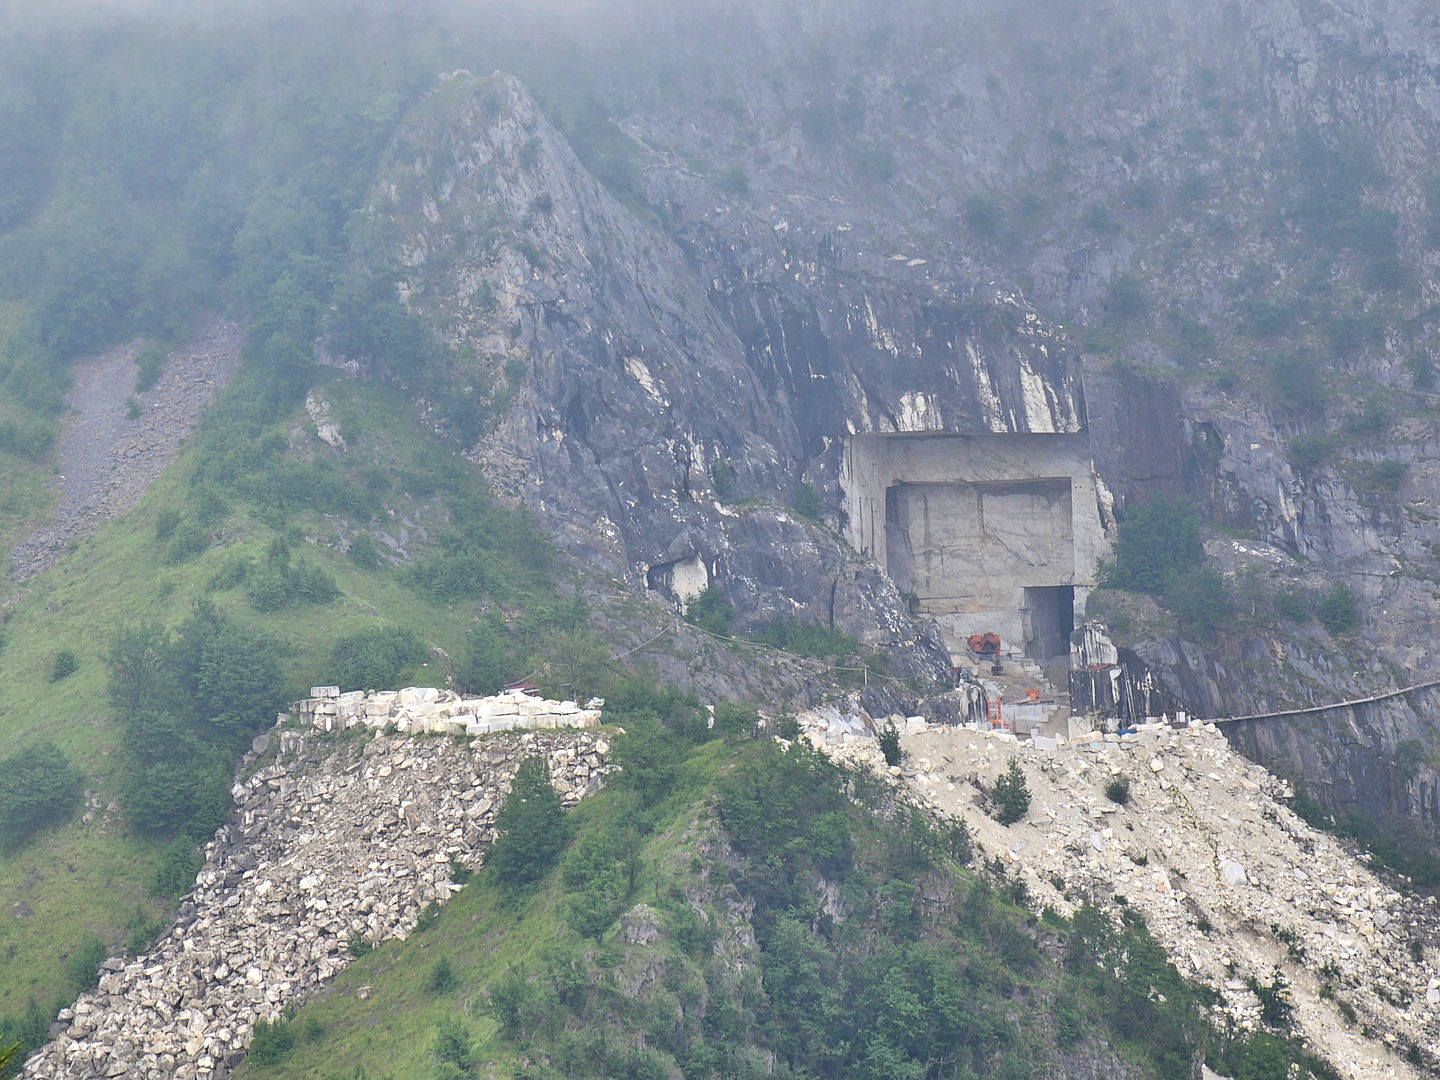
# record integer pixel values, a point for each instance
(958, 842)
(1292, 606)
(364, 552)
(143, 930)
(875, 163)
(807, 639)
(1338, 612)
(460, 874)
(807, 501)
(1011, 794)
(649, 756)
(889, 740)
(732, 718)
(428, 917)
(1422, 371)
(132, 409)
(723, 478)
(1118, 790)
(165, 523)
(597, 885)
(83, 966)
(1127, 299)
(1158, 541)
(1298, 383)
(150, 363)
(1372, 420)
(532, 827)
(179, 863)
(63, 665)
(1201, 602)
(359, 945)
(38, 787)
(1384, 478)
(710, 611)
(29, 436)
(1097, 218)
(187, 541)
(281, 584)
(982, 214)
(1311, 449)
(272, 1042)
(374, 659)
(489, 661)
(441, 978)
(452, 1045)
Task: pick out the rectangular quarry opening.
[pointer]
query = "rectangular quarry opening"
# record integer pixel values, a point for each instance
(1050, 620)
(985, 533)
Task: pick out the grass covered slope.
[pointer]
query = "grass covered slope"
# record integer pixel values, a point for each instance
(387, 547)
(734, 909)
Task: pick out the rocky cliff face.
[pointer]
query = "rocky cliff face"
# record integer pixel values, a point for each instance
(824, 219)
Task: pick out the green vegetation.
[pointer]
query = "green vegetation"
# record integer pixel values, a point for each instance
(532, 830)
(1298, 383)
(711, 612)
(1338, 612)
(171, 744)
(807, 501)
(374, 659)
(189, 701)
(1395, 844)
(889, 740)
(1292, 606)
(1117, 790)
(1011, 794)
(723, 478)
(63, 665)
(895, 986)
(807, 639)
(150, 363)
(1201, 602)
(38, 787)
(179, 863)
(1328, 199)
(1158, 542)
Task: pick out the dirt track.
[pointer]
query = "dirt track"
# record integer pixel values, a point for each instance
(108, 461)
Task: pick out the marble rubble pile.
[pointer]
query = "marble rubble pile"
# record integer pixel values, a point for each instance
(337, 837)
(441, 712)
(1230, 880)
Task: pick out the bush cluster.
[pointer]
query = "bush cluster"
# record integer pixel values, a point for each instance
(189, 700)
(807, 639)
(374, 659)
(532, 830)
(38, 787)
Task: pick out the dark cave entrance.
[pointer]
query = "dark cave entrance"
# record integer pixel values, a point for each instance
(1049, 621)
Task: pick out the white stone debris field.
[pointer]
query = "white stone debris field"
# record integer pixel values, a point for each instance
(1229, 879)
(337, 836)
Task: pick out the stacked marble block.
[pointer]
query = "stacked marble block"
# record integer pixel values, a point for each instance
(442, 712)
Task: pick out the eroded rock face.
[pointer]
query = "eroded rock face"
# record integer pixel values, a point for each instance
(669, 410)
(859, 222)
(334, 838)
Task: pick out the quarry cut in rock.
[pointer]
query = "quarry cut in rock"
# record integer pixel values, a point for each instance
(330, 839)
(1230, 880)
